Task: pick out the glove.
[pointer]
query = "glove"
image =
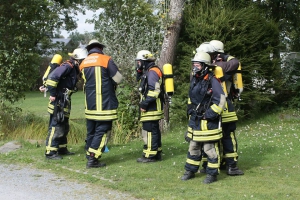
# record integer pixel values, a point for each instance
(220, 57)
(189, 109)
(143, 105)
(186, 138)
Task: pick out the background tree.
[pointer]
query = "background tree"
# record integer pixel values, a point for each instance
(23, 29)
(246, 35)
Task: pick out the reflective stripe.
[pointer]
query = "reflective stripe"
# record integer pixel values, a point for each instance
(204, 125)
(213, 165)
(62, 145)
(48, 147)
(151, 115)
(207, 135)
(101, 114)
(193, 162)
(153, 94)
(229, 116)
(230, 155)
(98, 151)
(217, 109)
(51, 83)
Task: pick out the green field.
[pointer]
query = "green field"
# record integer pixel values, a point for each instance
(268, 153)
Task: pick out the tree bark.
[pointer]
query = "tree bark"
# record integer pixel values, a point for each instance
(167, 53)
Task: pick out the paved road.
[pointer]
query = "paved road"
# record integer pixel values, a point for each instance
(28, 183)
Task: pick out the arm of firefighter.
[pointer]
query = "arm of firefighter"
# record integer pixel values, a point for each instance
(114, 72)
(218, 100)
(231, 65)
(153, 89)
(55, 76)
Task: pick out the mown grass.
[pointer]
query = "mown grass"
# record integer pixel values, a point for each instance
(268, 153)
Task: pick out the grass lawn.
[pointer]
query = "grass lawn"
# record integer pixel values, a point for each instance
(268, 154)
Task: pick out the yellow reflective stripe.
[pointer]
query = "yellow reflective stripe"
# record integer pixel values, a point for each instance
(233, 141)
(190, 129)
(158, 105)
(159, 149)
(98, 80)
(192, 162)
(229, 58)
(51, 83)
(190, 135)
(213, 165)
(98, 151)
(62, 145)
(152, 118)
(230, 155)
(106, 117)
(229, 116)
(153, 94)
(189, 101)
(48, 147)
(152, 115)
(148, 151)
(204, 159)
(203, 125)
(216, 108)
(208, 135)
(100, 112)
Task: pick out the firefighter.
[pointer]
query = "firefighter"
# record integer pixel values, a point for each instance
(206, 102)
(61, 83)
(229, 65)
(101, 77)
(149, 76)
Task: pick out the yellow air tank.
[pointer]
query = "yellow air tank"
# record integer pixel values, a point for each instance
(57, 59)
(218, 71)
(238, 80)
(169, 80)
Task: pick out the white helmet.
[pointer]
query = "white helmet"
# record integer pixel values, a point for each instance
(205, 47)
(79, 54)
(145, 55)
(202, 57)
(94, 43)
(217, 45)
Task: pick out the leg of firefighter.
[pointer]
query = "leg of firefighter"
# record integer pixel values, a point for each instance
(204, 162)
(63, 141)
(159, 144)
(213, 161)
(52, 140)
(98, 142)
(90, 125)
(150, 135)
(193, 160)
(230, 146)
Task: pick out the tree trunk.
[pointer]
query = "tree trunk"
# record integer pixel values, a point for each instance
(167, 53)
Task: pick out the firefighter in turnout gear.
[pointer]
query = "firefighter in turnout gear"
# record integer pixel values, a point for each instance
(151, 105)
(229, 66)
(61, 83)
(206, 102)
(101, 77)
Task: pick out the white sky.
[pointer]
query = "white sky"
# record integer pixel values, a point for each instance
(82, 27)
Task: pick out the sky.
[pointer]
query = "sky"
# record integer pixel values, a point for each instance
(82, 27)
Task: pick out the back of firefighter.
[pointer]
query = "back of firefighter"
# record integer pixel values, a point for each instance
(61, 83)
(101, 77)
(206, 102)
(151, 105)
(229, 65)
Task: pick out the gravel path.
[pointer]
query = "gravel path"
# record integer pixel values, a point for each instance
(19, 182)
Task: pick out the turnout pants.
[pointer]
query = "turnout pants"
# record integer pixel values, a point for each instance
(98, 133)
(57, 135)
(152, 138)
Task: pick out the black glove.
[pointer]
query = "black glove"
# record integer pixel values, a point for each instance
(143, 105)
(186, 138)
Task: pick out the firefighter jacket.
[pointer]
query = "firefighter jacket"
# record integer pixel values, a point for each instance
(229, 67)
(206, 102)
(101, 76)
(151, 93)
(62, 78)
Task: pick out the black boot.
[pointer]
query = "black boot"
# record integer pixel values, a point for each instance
(53, 156)
(159, 156)
(188, 175)
(146, 160)
(64, 151)
(202, 171)
(234, 171)
(94, 162)
(210, 179)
